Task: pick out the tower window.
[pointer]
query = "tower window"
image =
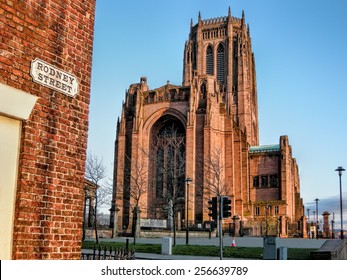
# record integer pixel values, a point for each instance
(256, 181)
(276, 209)
(257, 210)
(209, 61)
(264, 181)
(273, 181)
(220, 64)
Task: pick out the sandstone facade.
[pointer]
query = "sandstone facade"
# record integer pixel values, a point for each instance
(206, 130)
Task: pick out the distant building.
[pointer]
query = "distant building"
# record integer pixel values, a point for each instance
(89, 203)
(207, 130)
(89, 206)
(45, 75)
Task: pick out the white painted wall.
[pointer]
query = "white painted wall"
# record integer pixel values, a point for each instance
(15, 106)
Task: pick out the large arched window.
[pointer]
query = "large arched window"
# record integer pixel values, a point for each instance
(168, 158)
(209, 60)
(170, 164)
(220, 64)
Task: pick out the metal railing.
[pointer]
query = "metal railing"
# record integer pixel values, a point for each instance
(108, 254)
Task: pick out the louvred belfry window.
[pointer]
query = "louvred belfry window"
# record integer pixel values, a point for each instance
(209, 60)
(220, 64)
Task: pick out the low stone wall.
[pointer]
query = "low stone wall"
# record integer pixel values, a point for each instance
(157, 233)
(103, 233)
(334, 249)
(107, 233)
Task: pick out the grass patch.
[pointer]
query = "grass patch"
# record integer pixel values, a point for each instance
(243, 252)
(228, 252)
(199, 250)
(300, 253)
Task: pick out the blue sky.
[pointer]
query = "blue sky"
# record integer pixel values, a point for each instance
(300, 51)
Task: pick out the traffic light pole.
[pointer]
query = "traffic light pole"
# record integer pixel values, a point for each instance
(220, 217)
(220, 208)
(224, 213)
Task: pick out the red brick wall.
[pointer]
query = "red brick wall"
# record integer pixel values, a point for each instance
(49, 204)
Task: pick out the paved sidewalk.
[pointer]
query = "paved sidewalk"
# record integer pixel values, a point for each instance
(227, 241)
(147, 256)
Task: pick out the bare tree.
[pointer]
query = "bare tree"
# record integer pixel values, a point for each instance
(105, 194)
(95, 172)
(138, 176)
(214, 177)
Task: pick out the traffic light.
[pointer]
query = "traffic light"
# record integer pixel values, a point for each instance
(226, 207)
(213, 208)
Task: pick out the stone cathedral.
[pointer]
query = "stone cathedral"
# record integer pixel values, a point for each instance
(177, 146)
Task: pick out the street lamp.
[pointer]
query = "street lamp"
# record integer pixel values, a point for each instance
(317, 223)
(308, 215)
(340, 169)
(314, 223)
(112, 211)
(308, 222)
(188, 180)
(332, 227)
(84, 214)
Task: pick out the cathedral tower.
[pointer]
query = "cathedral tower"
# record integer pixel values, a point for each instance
(221, 48)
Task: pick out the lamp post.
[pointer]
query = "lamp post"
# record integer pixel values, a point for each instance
(84, 214)
(188, 180)
(314, 223)
(112, 211)
(308, 215)
(317, 222)
(308, 222)
(332, 227)
(340, 169)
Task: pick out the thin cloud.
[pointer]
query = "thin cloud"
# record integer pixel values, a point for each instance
(332, 205)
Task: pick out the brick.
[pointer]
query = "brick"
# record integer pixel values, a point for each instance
(53, 139)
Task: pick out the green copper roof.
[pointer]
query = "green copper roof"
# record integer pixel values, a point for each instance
(264, 148)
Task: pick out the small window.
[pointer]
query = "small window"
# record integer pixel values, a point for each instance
(257, 210)
(276, 209)
(268, 208)
(256, 181)
(264, 181)
(273, 181)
